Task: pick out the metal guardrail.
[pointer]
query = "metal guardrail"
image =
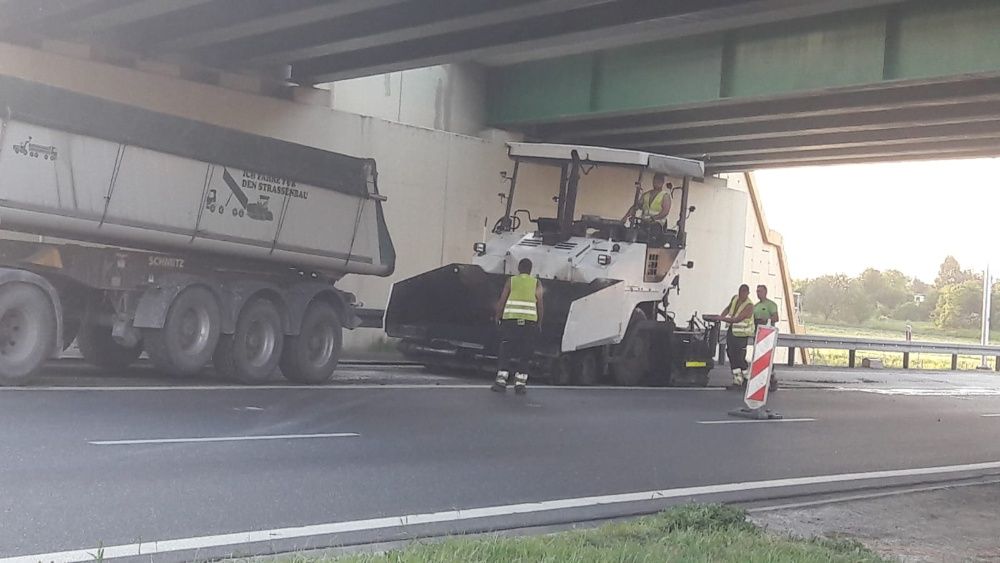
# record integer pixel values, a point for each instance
(852, 345)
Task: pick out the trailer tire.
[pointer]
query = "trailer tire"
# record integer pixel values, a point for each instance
(587, 370)
(189, 335)
(100, 349)
(27, 331)
(312, 356)
(632, 355)
(252, 353)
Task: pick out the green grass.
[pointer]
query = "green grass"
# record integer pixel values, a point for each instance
(691, 533)
(894, 330)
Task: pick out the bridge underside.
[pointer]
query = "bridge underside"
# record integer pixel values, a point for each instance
(917, 80)
(744, 84)
(912, 120)
(327, 40)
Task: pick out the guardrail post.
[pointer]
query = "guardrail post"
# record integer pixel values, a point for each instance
(954, 362)
(851, 356)
(791, 357)
(996, 363)
(906, 360)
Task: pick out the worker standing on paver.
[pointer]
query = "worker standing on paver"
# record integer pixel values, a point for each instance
(739, 315)
(765, 313)
(520, 313)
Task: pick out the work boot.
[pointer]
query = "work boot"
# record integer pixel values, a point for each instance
(520, 383)
(500, 385)
(738, 380)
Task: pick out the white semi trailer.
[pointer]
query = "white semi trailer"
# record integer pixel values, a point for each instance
(196, 243)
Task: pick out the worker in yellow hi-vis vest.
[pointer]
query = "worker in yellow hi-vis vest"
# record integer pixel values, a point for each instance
(654, 205)
(520, 314)
(739, 315)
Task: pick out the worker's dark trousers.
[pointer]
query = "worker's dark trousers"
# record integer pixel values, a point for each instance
(736, 349)
(517, 345)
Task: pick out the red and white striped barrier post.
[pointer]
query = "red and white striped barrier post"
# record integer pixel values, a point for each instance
(760, 376)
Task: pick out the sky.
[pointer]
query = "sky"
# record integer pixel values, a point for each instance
(906, 216)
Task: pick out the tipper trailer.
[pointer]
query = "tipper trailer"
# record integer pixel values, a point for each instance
(194, 242)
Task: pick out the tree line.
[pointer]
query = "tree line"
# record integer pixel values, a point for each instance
(954, 300)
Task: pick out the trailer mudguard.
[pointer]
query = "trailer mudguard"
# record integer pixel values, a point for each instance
(154, 303)
(300, 295)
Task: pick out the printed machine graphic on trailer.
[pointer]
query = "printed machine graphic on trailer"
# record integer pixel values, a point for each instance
(257, 210)
(27, 148)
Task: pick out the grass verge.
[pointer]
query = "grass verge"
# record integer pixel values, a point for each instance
(690, 533)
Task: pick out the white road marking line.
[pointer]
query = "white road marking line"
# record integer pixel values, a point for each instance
(221, 439)
(234, 388)
(913, 392)
(222, 540)
(756, 421)
(428, 386)
(990, 415)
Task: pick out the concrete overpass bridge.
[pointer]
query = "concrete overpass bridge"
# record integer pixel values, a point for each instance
(747, 83)
(327, 40)
(911, 80)
(744, 84)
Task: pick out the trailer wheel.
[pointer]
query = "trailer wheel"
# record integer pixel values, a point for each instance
(251, 354)
(101, 350)
(632, 355)
(27, 331)
(312, 356)
(586, 368)
(189, 334)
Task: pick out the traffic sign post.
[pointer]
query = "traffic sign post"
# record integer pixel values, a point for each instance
(760, 376)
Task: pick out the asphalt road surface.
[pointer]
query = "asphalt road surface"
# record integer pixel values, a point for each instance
(190, 470)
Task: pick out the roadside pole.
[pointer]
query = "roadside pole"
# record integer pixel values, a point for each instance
(984, 336)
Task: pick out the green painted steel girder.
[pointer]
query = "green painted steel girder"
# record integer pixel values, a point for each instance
(913, 40)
